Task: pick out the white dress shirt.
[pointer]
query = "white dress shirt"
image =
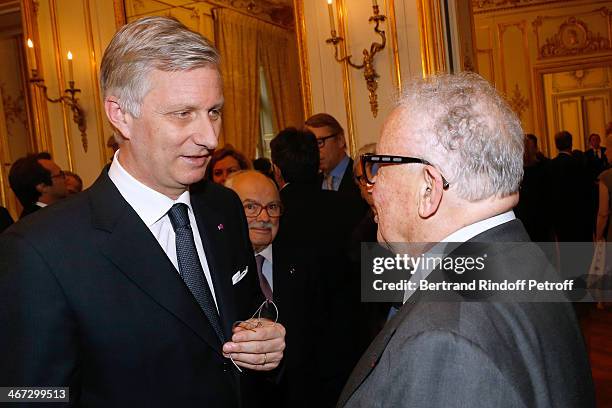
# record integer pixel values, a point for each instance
(461, 235)
(152, 207)
(266, 267)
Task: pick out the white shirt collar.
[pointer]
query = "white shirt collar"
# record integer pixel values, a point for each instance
(470, 231)
(461, 235)
(266, 253)
(149, 204)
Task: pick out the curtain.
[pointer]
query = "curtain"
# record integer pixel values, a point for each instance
(236, 38)
(279, 58)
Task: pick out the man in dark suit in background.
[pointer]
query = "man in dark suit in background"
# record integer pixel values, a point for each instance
(597, 160)
(335, 165)
(462, 149)
(286, 276)
(37, 182)
(319, 223)
(572, 208)
(128, 292)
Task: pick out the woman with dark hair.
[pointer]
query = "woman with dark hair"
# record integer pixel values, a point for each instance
(224, 162)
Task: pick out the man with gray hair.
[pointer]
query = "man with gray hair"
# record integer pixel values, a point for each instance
(138, 291)
(447, 170)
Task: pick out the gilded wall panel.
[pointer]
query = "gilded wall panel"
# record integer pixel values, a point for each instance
(515, 70)
(580, 79)
(597, 112)
(484, 52)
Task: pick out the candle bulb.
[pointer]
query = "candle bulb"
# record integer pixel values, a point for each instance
(31, 55)
(374, 3)
(330, 9)
(70, 73)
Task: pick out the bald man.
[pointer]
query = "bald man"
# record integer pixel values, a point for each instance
(286, 277)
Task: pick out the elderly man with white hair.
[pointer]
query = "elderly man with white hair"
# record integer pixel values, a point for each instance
(448, 169)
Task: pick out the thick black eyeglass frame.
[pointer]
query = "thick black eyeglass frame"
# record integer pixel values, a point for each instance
(321, 140)
(385, 159)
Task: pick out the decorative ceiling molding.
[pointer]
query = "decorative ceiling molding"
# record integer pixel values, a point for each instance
(487, 6)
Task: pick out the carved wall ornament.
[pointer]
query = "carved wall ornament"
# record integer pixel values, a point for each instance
(579, 75)
(573, 38)
(518, 102)
(484, 6)
(14, 109)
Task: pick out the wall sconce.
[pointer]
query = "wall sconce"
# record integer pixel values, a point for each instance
(369, 73)
(69, 97)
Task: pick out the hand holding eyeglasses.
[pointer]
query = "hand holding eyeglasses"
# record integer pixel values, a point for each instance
(257, 343)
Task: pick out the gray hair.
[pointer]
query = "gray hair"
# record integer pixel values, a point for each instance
(146, 44)
(469, 132)
(369, 148)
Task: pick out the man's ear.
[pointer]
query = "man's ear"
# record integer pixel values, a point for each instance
(41, 187)
(430, 195)
(278, 175)
(117, 117)
(342, 140)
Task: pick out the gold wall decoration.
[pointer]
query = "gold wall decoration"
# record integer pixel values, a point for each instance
(431, 29)
(120, 16)
(579, 75)
(518, 102)
(483, 6)
(367, 64)
(573, 38)
(300, 33)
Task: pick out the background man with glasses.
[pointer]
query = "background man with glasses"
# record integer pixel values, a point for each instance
(335, 165)
(448, 167)
(37, 181)
(286, 276)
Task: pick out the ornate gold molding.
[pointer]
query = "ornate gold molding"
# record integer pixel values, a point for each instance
(431, 30)
(572, 38)
(346, 78)
(394, 46)
(57, 49)
(95, 84)
(300, 34)
(487, 6)
(40, 134)
(120, 16)
(518, 102)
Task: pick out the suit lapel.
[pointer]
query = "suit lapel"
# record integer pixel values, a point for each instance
(131, 247)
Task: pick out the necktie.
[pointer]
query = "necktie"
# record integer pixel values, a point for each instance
(263, 282)
(329, 182)
(190, 267)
